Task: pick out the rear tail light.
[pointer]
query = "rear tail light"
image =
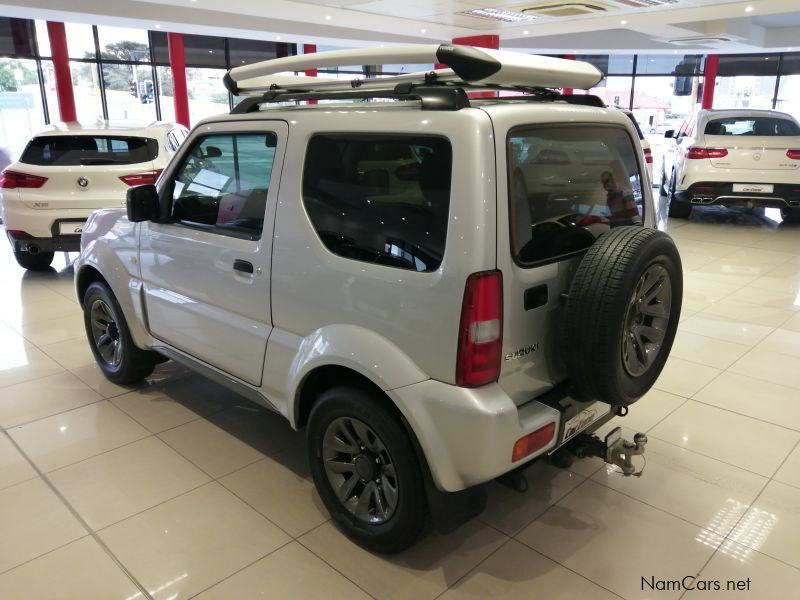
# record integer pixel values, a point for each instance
(148, 177)
(648, 156)
(794, 154)
(14, 179)
(525, 446)
(480, 337)
(696, 152)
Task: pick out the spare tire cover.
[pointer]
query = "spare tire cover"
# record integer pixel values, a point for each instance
(621, 315)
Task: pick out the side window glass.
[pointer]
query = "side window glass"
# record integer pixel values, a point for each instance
(567, 186)
(381, 199)
(223, 183)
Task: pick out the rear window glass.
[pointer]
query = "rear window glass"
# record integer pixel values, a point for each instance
(381, 199)
(70, 150)
(752, 126)
(568, 185)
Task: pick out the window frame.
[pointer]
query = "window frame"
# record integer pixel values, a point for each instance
(166, 191)
(413, 139)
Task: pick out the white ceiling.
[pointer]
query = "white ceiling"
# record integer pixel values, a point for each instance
(680, 26)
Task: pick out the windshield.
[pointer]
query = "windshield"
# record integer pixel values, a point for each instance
(71, 150)
(769, 126)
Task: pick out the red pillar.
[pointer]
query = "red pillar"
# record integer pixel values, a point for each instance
(480, 41)
(709, 80)
(177, 62)
(58, 49)
(568, 90)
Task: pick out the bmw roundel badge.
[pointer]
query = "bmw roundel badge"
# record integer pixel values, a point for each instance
(83, 182)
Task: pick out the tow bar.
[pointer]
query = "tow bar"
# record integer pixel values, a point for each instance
(614, 449)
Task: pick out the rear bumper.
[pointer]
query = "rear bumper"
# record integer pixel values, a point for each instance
(467, 435)
(24, 242)
(784, 195)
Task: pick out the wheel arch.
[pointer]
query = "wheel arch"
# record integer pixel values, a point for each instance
(326, 377)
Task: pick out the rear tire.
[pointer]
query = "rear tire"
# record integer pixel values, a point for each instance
(621, 315)
(117, 356)
(34, 262)
(791, 215)
(365, 469)
(677, 209)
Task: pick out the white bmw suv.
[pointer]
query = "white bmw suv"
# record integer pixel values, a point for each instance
(734, 157)
(438, 289)
(69, 170)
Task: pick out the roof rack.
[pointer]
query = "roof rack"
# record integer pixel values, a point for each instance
(468, 67)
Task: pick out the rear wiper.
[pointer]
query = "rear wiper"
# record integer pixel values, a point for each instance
(101, 161)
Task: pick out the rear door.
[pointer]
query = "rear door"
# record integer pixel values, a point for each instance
(87, 171)
(752, 142)
(206, 268)
(566, 186)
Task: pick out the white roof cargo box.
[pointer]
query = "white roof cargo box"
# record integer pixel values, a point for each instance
(477, 67)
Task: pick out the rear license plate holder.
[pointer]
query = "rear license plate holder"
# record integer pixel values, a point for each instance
(584, 419)
(753, 188)
(71, 227)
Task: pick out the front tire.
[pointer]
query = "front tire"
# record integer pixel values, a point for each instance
(117, 356)
(622, 314)
(366, 470)
(34, 262)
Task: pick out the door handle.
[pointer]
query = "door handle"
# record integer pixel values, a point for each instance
(243, 266)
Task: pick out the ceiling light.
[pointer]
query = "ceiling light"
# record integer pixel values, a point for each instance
(278, 37)
(495, 14)
(423, 30)
(525, 32)
(748, 9)
(327, 17)
(623, 22)
(158, 25)
(211, 52)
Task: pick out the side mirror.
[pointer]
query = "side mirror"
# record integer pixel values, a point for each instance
(669, 133)
(142, 203)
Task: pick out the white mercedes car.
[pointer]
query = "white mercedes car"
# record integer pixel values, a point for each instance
(70, 170)
(734, 157)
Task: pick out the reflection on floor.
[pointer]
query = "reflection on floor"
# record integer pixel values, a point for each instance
(178, 488)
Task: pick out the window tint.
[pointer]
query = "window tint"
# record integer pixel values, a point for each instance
(567, 185)
(70, 150)
(752, 126)
(381, 199)
(224, 181)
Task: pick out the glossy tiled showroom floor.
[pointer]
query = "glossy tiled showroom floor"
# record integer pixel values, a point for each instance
(180, 489)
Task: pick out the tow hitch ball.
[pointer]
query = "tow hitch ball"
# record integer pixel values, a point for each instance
(614, 449)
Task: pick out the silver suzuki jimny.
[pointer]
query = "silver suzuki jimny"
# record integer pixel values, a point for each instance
(439, 289)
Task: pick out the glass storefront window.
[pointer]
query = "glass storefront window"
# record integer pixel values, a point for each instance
(789, 95)
(86, 89)
(80, 41)
(744, 91)
(207, 94)
(118, 43)
(42, 39)
(662, 103)
(668, 64)
(130, 92)
(21, 113)
(166, 95)
(614, 91)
